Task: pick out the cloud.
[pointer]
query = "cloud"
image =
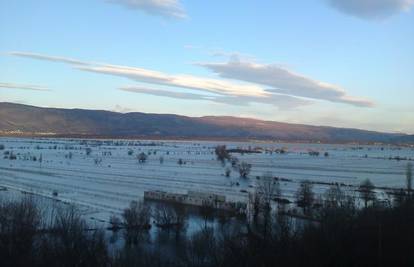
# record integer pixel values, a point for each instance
(23, 86)
(48, 58)
(160, 78)
(283, 88)
(283, 81)
(371, 9)
(165, 93)
(280, 101)
(164, 8)
(182, 81)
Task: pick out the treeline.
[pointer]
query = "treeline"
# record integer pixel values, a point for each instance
(336, 228)
(35, 235)
(343, 236)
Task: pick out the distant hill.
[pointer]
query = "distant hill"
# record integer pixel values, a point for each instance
(17, 119)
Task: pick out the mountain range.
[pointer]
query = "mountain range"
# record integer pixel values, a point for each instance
(18, 119)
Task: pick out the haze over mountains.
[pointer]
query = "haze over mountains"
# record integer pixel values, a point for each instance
(18, 119)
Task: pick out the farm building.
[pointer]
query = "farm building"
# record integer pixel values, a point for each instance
(196, 198)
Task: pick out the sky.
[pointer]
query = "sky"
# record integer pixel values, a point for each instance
(344, 63)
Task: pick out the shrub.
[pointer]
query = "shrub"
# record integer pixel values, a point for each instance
(244, 169)
(88, 151)
(227, 172)
(142, 157)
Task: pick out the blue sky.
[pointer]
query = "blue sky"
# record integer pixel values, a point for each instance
(346, 63)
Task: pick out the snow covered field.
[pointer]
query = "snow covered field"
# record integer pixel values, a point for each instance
(107, 179)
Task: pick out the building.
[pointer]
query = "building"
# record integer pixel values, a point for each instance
(195, 198)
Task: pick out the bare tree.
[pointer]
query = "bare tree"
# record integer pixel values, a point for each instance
(260, 206)
(334, 196)
(115, 223)
(136, 220)
(69, 225)
(202, 248)
(222, 153)
(181, 218)
(234, 162)
(366, 191)
(227, 172)
(305, 196)
(26, 239)
(19, 221)
(207, 212)
(97, 161)
(268, 188)
(138, 214)
(88, 151)
(72, 244)
(164, 216)
(170, 217)
(254, 207)
(399, 196)
(409, 177)
(142, 157)
(244, 169)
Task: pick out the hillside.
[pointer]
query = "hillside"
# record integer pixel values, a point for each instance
(30, 120)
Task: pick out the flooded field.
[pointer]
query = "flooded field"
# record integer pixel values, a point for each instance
(103, 176)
